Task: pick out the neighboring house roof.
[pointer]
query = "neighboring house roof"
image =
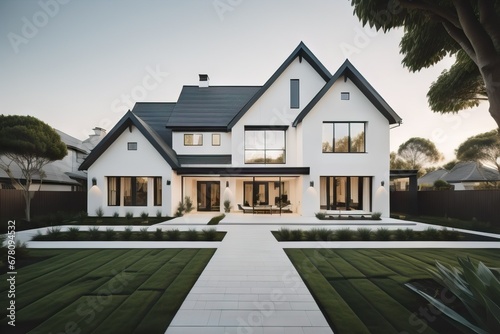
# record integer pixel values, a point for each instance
(209, 107)
(72, 142)
(53, 175)
(147, 131)
(432, 177)
(347, 70)
(302, 52)
(471, 171)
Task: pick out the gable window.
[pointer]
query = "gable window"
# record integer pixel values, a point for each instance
(195, 139)
(345, 96)
(343, 137)
(294, 93)
(215, 139)
(132, 146)
(265, 145)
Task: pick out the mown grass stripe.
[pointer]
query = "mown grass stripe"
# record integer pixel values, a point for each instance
(127, 314)
(82, 316)
(322, 264)
(369, 315)
(364, 264)
(161, 314)
(153, 261)
(338, 313)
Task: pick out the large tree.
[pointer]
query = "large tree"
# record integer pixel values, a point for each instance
(418, 152)
(434, 29)
(484, 148)
(30, 144)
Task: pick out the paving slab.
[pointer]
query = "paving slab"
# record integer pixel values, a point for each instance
(249, 286)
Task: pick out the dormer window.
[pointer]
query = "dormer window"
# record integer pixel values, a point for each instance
(193, 139)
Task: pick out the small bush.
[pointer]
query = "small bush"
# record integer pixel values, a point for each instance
(383, 234)
(364, 233)
(296, 235)
(431, 234)
(324, 234)
(189, 204)
(158, 234)
(400, 234)
(410, 234)
(109, 234)
(173, 235)
(209, 234)
(227, 206)
(54, 233)
(284, 234)
(99, 212)
(129, 215)
(216, 220)
(344, 234)
(376, 215)
(441, 185)
(448, 235)
(191, 235)
(82, 216)
(310, 235)
(94, 233)
(158, 214)
(127, 233)
(73, 233)
(144, 216)
(320, 215)
(180, 210)
(144, 234)
(116, 215)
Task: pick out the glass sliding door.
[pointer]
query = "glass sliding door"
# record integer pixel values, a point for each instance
(345, 192)
(208, 196)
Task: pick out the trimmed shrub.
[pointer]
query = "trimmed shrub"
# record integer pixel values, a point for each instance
(448, 235)
(73, 233)
(158, 234)
(191, 235)
(400, 234)
(216, 220)
(209, 234)
(344, 234)
(116, 214)
(383, 234)
(144, 234)
(296, 235)
(376, 215)
(94, 233)
(127, 233)
(129, 215)
(173, 235)
(158, 213)
(364, 233)
(409, 234)
(144, 216)
(431, 234)
(320, 215)
(109, 234)
(227, 206)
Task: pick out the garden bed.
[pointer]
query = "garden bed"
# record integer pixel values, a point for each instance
(380, 234)
(109, 234)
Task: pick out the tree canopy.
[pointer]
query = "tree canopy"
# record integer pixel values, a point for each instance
(484, 148)
(435, 29)
(30, 144)
(417, 152)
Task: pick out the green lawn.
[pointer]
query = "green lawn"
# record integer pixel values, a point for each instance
(362, 290)
(102, 290)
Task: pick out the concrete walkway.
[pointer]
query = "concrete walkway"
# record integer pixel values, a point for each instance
(249, 286)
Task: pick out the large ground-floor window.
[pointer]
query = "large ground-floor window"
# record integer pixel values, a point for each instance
(345, 193)
(133, 190)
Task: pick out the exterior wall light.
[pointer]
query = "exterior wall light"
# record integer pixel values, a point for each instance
(382, 183)
(94, 181)
(168, 182)
(227, 184)
(311, 183)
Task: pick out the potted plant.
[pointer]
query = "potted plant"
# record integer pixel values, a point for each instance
(227, 206)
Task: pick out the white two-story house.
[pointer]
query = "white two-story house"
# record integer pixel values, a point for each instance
(306, 141)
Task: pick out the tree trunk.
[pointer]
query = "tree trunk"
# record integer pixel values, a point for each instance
(27, 202)
(491, 77)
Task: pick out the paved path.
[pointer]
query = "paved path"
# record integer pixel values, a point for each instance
(249, 286)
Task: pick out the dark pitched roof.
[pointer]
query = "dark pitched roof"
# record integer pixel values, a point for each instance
(156, 115)
(209, 107)
(127, 120)
(72, 142)
(349, 71)
(300, 51)
(471, 171)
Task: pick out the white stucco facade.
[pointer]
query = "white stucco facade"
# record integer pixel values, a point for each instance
(301, 177)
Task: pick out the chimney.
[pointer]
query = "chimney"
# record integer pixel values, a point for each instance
(204, 80)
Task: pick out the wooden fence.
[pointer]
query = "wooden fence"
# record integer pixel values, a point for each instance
(483, 205)
(43, 203)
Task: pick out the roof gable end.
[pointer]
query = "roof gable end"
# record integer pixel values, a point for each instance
(349, 71)
(302, 52)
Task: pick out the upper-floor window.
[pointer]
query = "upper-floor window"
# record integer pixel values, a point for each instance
(294, 93)
(195, 139)
(343, 137)
(216, 139)
(132, 146)
(265, 146)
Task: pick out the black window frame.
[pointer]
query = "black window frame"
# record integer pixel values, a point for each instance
(349, 144)
(117, 195)
(265, 129)
(157, 196)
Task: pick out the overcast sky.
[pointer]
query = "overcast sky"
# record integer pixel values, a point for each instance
(77, 64)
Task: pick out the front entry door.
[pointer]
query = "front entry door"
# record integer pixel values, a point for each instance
(208, 196)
